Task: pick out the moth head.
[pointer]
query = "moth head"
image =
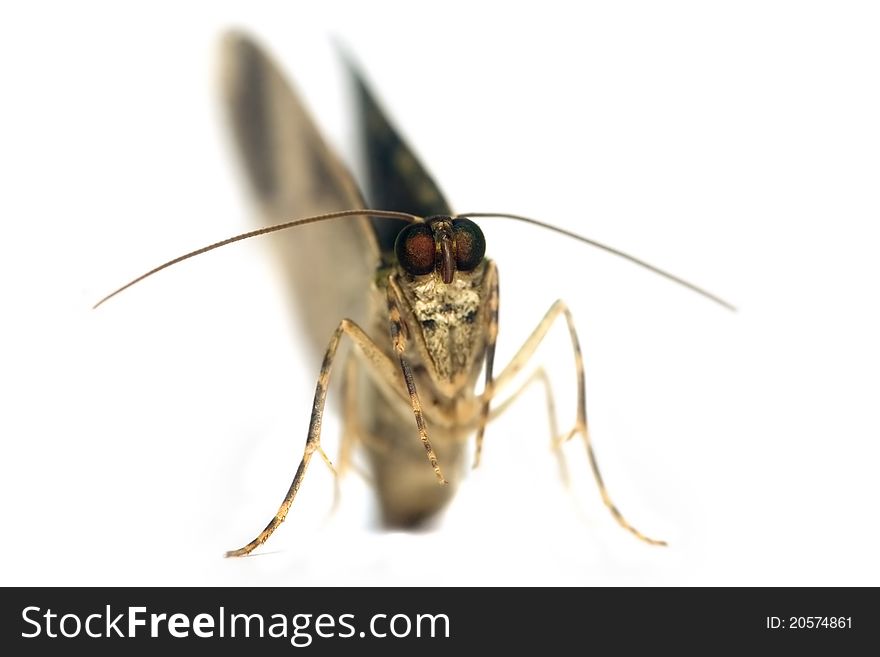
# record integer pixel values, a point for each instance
(440, 244)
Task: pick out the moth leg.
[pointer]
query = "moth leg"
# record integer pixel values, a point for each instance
(491, 338)
(399, 342)
(349, 427)
(383, 368)
(526, 351)
(353, 431)
(556, 439)
(328, 462)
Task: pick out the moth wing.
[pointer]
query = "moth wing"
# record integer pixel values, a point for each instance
(293, 173)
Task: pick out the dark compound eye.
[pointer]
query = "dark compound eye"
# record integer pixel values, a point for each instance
(415, 249)
(470, 245)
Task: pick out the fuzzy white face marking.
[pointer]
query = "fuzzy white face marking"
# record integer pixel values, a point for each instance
(451, 320)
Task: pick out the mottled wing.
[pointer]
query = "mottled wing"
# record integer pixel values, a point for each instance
(294, 174)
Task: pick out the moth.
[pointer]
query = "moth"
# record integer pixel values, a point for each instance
(403, 279)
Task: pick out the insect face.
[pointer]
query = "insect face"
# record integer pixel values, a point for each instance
(441, 244)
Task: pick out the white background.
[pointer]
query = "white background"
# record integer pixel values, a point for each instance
(735, 145)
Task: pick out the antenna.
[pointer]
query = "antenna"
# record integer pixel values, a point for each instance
(263, 231)
(609, 249)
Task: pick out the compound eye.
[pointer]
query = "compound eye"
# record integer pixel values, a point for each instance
(415, 249)
(470, 245)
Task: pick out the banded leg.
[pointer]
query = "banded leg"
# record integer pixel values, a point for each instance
(382, 367)
(399, 341)
(519, 361)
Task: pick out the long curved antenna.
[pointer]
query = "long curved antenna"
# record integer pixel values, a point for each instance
(263, 231)
(599, 245)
